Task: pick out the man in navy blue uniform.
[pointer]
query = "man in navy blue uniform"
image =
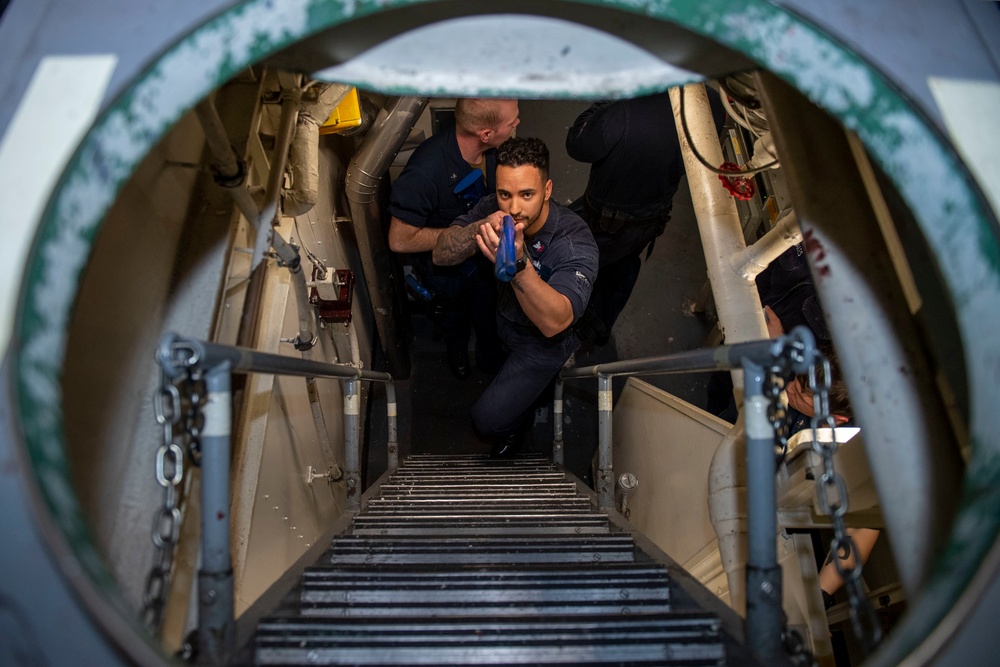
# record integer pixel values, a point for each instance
(443, 179)
(556, 267)
(636, 168)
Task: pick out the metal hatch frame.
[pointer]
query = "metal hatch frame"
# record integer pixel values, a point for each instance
(947, 205)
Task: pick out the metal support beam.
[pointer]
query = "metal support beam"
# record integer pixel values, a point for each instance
(765, 617)
(912, 451)
(558, 456)
(741, 316)
(392, 444)
(352, 443)
(215, 577)
(605, 474)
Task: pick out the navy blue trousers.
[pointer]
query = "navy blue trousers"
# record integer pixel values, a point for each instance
(468, 302)
(532, 364)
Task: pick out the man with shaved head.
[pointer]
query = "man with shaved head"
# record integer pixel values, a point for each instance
(443, 179)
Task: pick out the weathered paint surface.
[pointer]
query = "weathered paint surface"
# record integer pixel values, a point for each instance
(915, 158)
(539, 54)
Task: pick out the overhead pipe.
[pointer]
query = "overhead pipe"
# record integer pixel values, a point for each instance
(229, 168)
(741, 316)
(304, 154)
(727, 509)
(369, 164)
(753, 259)
(268, 215)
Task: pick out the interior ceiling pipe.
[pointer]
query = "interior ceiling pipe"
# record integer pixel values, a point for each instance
(755, 258)
(229, 168)
(727, 508)
(290, 104)
(911, 449)
(741, 317)
(303, 159)
(389, 131)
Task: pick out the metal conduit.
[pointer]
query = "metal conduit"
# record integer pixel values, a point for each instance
(753, 259)
(364, 173)
(268, 214)
(741, 316)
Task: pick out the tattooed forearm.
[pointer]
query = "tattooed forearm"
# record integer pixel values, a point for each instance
(455, 244)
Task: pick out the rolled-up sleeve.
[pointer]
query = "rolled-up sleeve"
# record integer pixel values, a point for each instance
(574, 278)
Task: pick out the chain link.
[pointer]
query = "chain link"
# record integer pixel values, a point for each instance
(832, 493)
(181, 419)
(830, 486)
(777, 413)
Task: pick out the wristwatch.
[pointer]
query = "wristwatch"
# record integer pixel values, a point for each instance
(521, 263)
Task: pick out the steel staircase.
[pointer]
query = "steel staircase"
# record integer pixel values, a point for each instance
(463, 560)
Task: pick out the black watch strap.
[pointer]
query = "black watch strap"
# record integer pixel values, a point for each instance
(521, 263)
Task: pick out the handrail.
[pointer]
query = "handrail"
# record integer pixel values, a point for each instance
(723, 357)
(179, 356)
(756, 359)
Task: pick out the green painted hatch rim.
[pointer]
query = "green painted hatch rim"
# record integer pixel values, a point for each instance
(943, 198)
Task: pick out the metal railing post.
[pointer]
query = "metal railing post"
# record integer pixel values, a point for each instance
(215, 578)
(765, 618)
(177, 355)
(605, 487)
(392, 446)
(557, 424)
(352, 442)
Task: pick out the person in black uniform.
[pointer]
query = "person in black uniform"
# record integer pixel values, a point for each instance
(556, 268)
(636, 167)
(444, 178)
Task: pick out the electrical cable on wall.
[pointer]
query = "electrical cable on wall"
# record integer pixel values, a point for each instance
(312, 257)
(728, 173)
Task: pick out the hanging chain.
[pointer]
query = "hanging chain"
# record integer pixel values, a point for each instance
(832, 492)
(777, 413)
(181, 420)
(787, 355)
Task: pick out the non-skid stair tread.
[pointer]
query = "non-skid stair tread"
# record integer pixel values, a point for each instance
(472, 561)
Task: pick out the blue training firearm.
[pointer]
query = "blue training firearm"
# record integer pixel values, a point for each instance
(506, 252)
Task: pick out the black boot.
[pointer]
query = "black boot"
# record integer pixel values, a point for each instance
(458, 362)
(507, 446)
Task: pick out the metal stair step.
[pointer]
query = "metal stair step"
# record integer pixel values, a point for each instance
(471, 561)
(485, 592)
(479, 476)
(654, 639)
(370, 550)
(485, 488)
(397, 576)
(470, 524)
(496, 505)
